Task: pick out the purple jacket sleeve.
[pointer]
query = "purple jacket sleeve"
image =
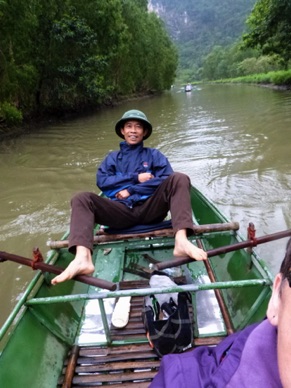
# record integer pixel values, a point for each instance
(204, 366)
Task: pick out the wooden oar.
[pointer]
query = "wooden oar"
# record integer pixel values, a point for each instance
(228, 248)
(4, 256)
(102, 237)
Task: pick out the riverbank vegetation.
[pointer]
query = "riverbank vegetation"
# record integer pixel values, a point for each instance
(199, 26)
(278, 79)
(262, 55)
(222, 39)
(68, 56)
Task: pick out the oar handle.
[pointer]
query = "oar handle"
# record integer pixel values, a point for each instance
(228, 248)
(57, 270)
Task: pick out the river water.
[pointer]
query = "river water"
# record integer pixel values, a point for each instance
(232, 140)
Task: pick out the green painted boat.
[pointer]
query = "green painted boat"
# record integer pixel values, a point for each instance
(62, 336)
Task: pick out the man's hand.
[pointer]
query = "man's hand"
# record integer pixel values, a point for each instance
(142, 177)
(145, 176)
(123, 194)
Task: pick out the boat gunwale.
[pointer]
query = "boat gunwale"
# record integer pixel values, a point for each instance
(20, 308)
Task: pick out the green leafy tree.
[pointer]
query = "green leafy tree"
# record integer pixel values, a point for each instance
(146, 59)
(74, 44)
(66, 55)
(17, 73)
(161, 55)
(256, 65)
(214, 64)
(270, 28)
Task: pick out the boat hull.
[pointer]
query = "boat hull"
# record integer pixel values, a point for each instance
(49, 323)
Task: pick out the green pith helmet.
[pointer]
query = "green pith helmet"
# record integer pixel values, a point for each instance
(133, 114)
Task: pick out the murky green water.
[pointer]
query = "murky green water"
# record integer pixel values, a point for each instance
(233, 142)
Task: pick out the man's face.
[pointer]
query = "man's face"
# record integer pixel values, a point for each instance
(279, 314)
(133, 131)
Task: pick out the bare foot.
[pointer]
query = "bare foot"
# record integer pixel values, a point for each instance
(183, 247)
(81, 265)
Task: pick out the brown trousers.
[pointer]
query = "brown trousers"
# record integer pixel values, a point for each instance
(89, 208)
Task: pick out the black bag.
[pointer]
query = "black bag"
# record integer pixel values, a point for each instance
(174, 333)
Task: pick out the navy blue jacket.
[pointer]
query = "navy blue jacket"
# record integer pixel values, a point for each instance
(120, 169)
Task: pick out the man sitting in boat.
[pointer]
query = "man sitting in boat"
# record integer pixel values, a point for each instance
(258, 356)
(141, 187)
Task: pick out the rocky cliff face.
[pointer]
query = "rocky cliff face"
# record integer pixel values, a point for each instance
(198, 25)
(169, 16)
